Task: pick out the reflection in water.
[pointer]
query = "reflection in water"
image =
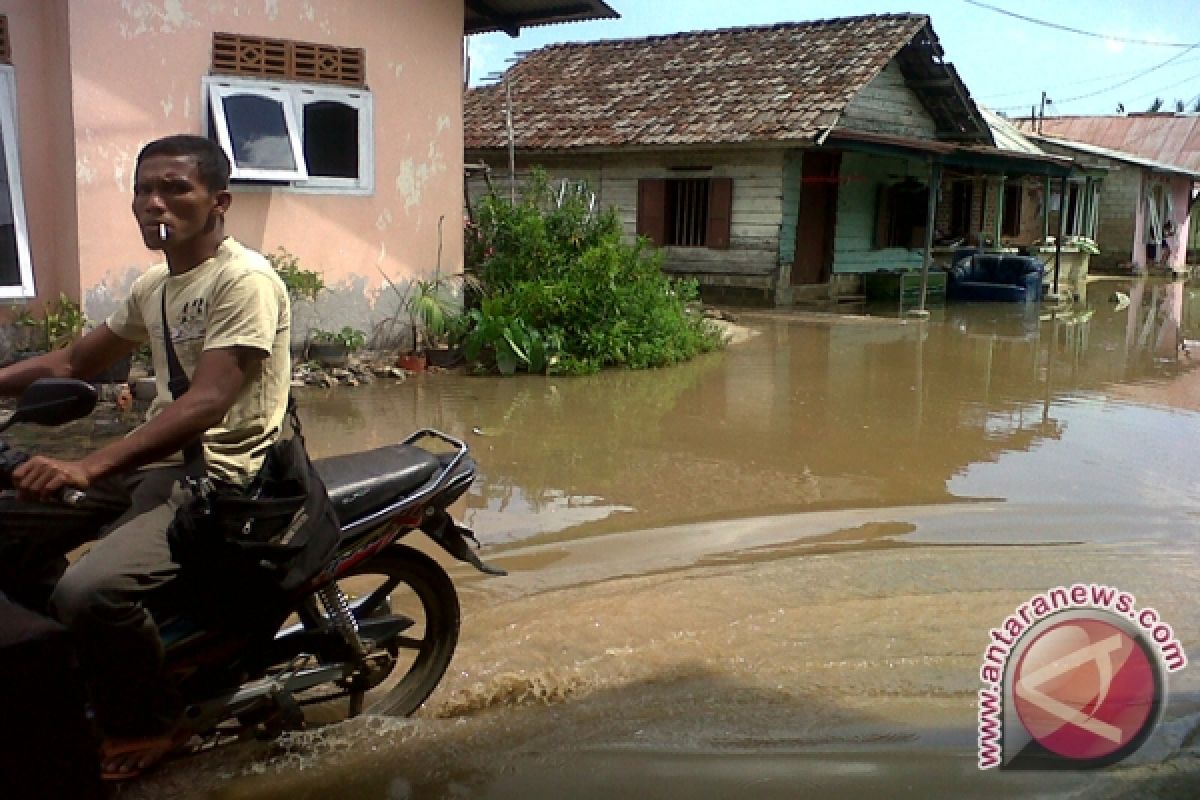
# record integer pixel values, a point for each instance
(816, 412)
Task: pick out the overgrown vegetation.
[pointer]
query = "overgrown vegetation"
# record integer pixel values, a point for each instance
(563, 293)
(351, 339)
(302, 284)
(60, 324)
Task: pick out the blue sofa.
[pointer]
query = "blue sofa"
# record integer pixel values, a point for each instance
(995, 278)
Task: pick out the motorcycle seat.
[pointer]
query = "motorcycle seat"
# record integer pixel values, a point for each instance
(359, 483)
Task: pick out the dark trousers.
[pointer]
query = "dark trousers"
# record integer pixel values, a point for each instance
(102, 599)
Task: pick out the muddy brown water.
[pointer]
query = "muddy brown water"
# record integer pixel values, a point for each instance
(771, 572)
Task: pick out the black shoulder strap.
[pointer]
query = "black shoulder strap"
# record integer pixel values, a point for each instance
(178, 384)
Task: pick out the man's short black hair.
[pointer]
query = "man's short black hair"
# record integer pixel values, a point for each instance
(212, 165)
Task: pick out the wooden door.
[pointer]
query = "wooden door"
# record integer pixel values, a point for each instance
(818, 217)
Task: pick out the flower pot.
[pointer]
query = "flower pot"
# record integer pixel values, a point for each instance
(444, 357)
(145, 390)
(329, 354)
(413, 362)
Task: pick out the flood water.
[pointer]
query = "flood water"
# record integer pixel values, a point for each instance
(771, 572)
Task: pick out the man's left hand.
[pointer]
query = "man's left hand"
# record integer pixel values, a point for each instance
(41, 477)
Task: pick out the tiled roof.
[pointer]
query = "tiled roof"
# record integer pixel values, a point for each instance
(1165, 138)
(780, 83)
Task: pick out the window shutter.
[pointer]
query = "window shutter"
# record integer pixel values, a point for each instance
(652, 210)
(720, 213)
(883, 216)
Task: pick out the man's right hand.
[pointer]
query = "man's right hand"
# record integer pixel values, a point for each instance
(42, 477)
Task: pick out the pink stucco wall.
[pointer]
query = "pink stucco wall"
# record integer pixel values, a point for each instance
(136, 69)
(1181, 195)
(1139, 221)
(37, 32)
(1180, 187)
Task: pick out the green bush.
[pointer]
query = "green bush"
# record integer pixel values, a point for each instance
(350, 338)
(562, 272)
(302, 284)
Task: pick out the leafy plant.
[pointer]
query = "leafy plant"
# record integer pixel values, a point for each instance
(60, 324)
(507, 342)
(563, 271)
(301, 283)
(429, 311)
(350, 338)
(432, 305)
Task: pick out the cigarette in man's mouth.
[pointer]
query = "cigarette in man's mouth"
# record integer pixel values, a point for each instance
(162, 231)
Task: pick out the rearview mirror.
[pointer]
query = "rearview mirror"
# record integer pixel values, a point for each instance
(53, 401)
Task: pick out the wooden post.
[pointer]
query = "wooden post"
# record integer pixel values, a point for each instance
(1087, 207)
(935, 182)
(999, 210)
(1062, 230)
(983, 204)
(512, 147)
(1046, 210)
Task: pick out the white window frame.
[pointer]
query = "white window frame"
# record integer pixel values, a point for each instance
(294, 97)
(218, 92)
(12, 163)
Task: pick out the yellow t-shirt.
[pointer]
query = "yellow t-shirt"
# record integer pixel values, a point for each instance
(233, 299)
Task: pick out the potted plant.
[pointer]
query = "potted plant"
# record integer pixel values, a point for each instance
(432, 308)
(333, 348)
(429, 314)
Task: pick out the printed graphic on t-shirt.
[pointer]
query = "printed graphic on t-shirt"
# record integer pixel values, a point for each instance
(192, 322)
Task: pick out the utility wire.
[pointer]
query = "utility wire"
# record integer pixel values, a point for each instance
(1069, 29)
(1160, 92)
(1056, 86)
(1141, 74)
(1117, 85)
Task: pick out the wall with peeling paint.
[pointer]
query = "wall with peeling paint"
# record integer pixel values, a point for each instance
(38, 35)
(135, 74)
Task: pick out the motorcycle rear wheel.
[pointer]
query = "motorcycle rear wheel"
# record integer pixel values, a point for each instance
(402, 580)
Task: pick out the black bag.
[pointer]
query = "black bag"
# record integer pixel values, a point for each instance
(268, 541)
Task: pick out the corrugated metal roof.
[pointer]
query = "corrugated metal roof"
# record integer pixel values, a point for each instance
(485, 16)
(1117, 155)
(1163, 137)
(1007, 136)
(779, 83)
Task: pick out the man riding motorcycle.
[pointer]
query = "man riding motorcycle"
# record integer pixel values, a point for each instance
(228, 318)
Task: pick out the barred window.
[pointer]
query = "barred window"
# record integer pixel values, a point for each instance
(687, 212)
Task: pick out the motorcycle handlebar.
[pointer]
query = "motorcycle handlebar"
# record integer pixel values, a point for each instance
(11, 459)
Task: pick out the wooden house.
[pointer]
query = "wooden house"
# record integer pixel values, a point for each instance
(785, 161)
(1154, 165)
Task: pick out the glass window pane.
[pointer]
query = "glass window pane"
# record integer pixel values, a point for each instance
(331, 139)
(10, 264)
(258, 132)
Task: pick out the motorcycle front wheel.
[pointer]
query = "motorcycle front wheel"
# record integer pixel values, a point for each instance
(405, 582)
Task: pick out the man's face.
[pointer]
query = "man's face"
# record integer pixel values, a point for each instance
(167, 191)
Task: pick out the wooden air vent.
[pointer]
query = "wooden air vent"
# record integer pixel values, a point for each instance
(5, 47)
(260, 57)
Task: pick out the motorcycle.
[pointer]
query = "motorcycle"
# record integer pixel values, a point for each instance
(379, 609)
